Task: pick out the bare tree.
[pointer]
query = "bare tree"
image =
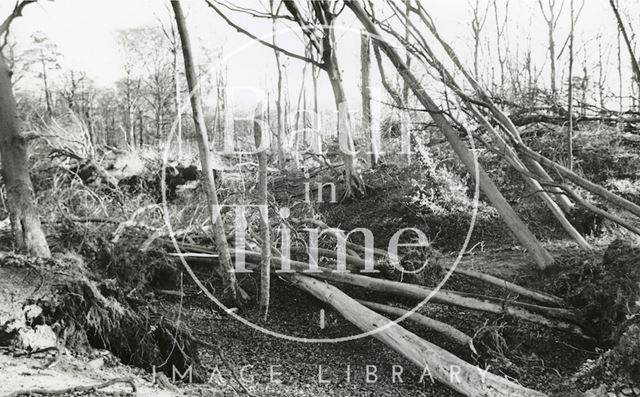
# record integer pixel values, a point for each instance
(130, 86)
(620, 85)
(174, 46)
(79, 93)
(477, 24)
(21, 202)
(317, 23)
(570, 96)
(405, 87)
(500, 34)
(44, 57)
(552, 15)
(228, 272)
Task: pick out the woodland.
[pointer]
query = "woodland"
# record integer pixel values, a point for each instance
(469, 226)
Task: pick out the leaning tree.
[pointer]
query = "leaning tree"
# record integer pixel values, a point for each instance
(21, 200)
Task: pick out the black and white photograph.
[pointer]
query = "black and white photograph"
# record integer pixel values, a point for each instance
(320, 198)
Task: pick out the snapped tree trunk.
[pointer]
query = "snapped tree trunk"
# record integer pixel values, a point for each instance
(27, 229)
(229, 277)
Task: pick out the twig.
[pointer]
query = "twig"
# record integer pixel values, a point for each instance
(38, 351)
(17, 12)
(259, 40)
(76, 389)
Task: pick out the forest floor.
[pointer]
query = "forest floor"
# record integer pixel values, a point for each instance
(537, 357)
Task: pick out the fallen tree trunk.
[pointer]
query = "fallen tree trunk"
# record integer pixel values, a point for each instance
(554, 312)
(360, 264)
(604, 214)
(509, 286)
(433, 360)
(523, 120)
(531, 313)
(444, 329)
(417, 292)
(580, 181)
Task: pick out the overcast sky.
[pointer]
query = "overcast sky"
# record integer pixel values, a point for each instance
(84, 31)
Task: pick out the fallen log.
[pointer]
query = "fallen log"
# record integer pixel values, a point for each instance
(444, 329)
(417, 292)
(434, 361)
(554, 312)
(580, 181)
(541, 297)
(532, 313)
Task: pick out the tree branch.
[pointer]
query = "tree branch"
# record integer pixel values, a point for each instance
(263, 42)
(16, 13)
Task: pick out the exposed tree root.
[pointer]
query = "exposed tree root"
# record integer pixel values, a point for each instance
(87, 314)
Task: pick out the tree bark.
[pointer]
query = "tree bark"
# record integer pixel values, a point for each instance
(21, 202)
(345, 138)
(365, 64)
(229, 276)
(265, 264)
